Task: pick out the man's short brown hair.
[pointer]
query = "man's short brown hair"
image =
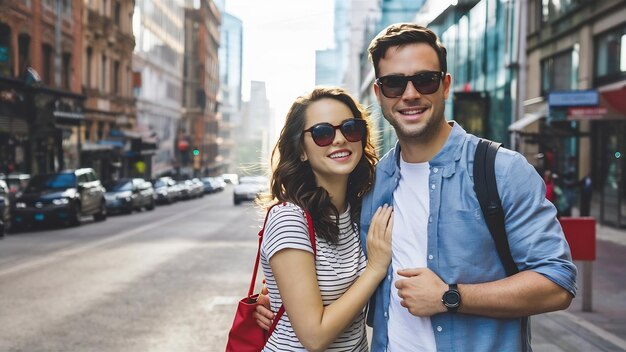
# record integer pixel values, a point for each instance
(401, 34)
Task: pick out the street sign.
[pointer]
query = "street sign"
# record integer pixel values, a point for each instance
(573, 98)
(590, 113)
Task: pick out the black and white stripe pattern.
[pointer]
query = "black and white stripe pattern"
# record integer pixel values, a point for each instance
(338, 266)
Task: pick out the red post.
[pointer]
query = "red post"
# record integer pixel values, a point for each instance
(580, 234)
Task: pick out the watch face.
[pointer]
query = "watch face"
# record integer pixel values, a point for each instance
(451, 299)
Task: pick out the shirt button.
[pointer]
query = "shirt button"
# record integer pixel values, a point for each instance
(430, 257)
(430, 219)
(432, 186)
(385, 314)
(389, 277)
(435, 170)
(439, 329)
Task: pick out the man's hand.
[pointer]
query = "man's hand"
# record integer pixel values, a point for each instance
(263, 314)
(421, 292)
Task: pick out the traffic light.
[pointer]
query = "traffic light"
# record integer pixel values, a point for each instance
(196, 151)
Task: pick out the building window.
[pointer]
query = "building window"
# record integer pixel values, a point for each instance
(88, 130)
(117, 14)
(103, 74)
(6, 66)
(116, 78)
(23, 43)
(100, 131)
(47, 63)
(610, 56)
(49, 5)
(67, 9)
(89, 67)
(560, 72)
(66, 70)
(535, 15)
(127, 82)
(553, 9)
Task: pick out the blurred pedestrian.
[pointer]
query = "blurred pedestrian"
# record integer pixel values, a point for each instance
(548, 179)
(586, 190)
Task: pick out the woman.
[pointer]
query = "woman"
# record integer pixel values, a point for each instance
(324, 163)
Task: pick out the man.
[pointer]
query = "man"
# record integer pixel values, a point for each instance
(446, 289)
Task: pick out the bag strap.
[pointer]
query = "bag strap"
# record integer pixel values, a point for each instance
(258, 254)
(491, 206)
(309, 222)
(489, 199)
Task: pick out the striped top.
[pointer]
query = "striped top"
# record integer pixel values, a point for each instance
(337, 265)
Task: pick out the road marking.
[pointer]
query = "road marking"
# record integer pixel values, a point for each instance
(221, 301)
(57, 256)
(607, 336)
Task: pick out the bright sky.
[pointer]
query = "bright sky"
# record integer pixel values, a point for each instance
(279, 43)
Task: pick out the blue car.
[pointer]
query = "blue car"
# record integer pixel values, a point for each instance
(63, 197)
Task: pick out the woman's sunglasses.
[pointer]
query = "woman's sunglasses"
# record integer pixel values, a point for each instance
(393, 86)
(324, 133)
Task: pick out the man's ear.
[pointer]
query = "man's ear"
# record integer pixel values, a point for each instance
(377, 92)
(447, 81)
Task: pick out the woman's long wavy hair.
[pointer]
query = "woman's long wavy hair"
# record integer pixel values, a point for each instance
(293, 180)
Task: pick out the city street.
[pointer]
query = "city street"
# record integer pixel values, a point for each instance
(169, 279)
(164, 280)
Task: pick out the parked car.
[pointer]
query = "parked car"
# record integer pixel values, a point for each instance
(249, 188)
(5, 207)
(165, 190)
(16, 182)
(184, 188)
(213, 184)
(60, 197)
(126, 194)
(197, 187)
(231, 179)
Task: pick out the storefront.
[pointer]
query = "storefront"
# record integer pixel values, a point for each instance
(608, 149)
(14, 127)
(54, 138)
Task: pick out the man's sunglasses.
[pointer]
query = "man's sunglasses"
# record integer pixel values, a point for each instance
(324, 133)
(393, 86)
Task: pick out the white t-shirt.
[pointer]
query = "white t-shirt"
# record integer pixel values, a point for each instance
(409, 249)
(337, 266)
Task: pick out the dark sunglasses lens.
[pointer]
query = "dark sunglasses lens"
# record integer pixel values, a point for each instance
(353, 130)
(426, 83)
(323, 135)
(393, 86)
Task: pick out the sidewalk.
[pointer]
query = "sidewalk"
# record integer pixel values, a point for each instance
(603, 329)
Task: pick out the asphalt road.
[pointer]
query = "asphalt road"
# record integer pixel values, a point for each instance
(162, 280)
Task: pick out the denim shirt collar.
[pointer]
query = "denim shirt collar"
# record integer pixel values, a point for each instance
(451, 151)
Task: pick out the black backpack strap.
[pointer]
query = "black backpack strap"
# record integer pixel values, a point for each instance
(489, 199)
(491, 205)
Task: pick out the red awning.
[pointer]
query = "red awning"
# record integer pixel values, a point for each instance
(612, 106)
(615, 100)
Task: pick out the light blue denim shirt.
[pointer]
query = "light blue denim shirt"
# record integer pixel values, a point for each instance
(460, 247)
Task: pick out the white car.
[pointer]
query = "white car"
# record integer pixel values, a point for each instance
(249, 188)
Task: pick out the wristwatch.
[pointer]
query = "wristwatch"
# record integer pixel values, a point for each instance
(452, 298)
